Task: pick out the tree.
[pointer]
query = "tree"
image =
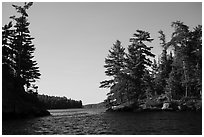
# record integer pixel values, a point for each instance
(135, 77)
(114, 65)
(154, 68)
(137, 63)
(196, 54)
(164, 67)
(26, 68)
(187, 45)
(18, 68)
(8, 61)
(54, 102)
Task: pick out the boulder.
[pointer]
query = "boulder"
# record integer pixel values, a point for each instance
(165, 106)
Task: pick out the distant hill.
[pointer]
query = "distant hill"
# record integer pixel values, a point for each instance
(98, 105)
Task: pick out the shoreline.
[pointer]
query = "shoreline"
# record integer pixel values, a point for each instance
(153, 105)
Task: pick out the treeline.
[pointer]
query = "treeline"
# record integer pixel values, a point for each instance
(98, 105)
(19, 69)
(136, 75)
(54, 102)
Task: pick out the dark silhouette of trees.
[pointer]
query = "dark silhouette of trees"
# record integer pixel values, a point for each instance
(19, 69)
(17, 49)
(137, 62)
(54, 102)
(185, 76)
(176, 74)
(164, 66)
(114, 65)
(8, 53)
(26, 68)
(128, 70)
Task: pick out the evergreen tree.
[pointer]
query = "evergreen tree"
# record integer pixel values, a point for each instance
(26, 68)
(18, 68)
(176, 74)
(8, 61)
(137, 63)
(196, 55)
(154, 68)
(164, 67)
(185, 65)
(148, 80)
(54, 102)
(114, 65)
(153, 74)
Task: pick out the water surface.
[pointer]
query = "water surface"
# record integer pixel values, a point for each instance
(97, 121)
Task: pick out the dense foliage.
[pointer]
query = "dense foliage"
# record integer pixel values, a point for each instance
(20, 70)
(176, 74)
(17, 50)
(54, 102)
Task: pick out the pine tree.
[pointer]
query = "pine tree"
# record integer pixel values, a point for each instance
(8, 61)
(154, 68)
(186, 44)
(137, 63)
(26, 68)
(164, 67)
(114, 65)
(196, 55)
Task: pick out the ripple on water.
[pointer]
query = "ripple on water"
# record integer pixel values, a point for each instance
(83, 121)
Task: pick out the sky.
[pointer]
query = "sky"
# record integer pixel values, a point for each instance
(72, 39)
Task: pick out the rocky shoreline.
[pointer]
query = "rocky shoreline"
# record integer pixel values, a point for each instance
(154, 104)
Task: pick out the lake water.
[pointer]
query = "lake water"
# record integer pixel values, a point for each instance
(97, 121)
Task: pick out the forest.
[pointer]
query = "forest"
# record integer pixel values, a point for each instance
(54, 102)
(20, 71)
(136, 77)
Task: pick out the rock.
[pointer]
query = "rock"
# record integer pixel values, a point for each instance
(125, 107)
(109, 110)
(190, 104)
(155, 104)
(165, 106)
(122, 108)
